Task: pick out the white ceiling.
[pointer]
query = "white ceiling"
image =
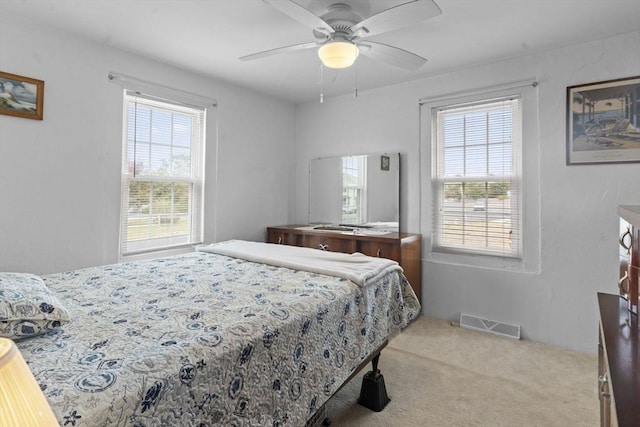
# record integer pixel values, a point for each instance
(208, 36)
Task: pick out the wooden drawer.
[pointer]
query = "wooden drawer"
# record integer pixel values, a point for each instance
(327, 243)
(281, 237)
(380, 250)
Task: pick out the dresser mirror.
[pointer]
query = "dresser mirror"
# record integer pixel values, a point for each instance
(355, 192)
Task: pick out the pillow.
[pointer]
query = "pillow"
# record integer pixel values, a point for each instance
(27, 306)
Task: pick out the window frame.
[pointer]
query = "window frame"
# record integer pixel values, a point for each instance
(439, 179)
(530, 263)
(195, 233)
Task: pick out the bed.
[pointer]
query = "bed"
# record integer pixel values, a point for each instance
(236, 333)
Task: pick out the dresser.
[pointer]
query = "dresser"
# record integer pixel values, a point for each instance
(619, 334)
(618, 363)
(405, 248)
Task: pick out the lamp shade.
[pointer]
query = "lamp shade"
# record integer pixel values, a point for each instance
(22, 403)
(338, 54)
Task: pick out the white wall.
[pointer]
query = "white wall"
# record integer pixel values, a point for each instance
(60, 177)
(576, 205)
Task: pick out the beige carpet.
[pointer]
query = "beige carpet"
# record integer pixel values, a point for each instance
(442, 375)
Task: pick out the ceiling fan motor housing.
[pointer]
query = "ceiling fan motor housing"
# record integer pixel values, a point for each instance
(341, 18)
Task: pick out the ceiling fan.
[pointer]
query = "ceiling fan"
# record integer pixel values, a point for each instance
(341, 34)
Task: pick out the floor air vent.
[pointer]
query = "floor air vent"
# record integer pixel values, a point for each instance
(499, 328)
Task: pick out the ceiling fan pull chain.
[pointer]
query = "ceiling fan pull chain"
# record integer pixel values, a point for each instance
(321, 83)
(355, 84)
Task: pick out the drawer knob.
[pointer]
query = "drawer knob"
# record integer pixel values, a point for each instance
(604, 387)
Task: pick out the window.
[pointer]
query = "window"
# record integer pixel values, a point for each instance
(162, 174)
(477, 177)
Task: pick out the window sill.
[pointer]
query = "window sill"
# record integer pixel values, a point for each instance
(488, 262)
(160, 253)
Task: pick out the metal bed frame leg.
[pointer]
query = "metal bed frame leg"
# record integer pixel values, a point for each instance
(373, 393)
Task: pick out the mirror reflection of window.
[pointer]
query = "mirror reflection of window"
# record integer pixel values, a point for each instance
(354, 189)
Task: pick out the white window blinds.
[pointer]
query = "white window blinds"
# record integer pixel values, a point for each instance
(162, 174)
(477, 178)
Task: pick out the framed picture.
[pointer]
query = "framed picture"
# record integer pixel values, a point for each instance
(21, 96)
(384, 163)
(603, 122)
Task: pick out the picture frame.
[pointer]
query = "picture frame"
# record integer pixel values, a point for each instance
(21, 96)
(384, 162)
(603, 122)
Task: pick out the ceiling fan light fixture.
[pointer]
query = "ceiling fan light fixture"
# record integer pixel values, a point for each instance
(338, 54)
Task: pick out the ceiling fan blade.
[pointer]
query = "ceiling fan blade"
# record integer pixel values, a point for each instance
(400, 16)
(391, 55)
(279, 50)
(300, 14)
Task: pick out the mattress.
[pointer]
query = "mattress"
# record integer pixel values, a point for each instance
(208, 339)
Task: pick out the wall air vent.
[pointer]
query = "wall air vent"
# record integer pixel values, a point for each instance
(491, 326)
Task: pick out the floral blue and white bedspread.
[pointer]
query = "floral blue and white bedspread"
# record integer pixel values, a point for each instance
(202, 339)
